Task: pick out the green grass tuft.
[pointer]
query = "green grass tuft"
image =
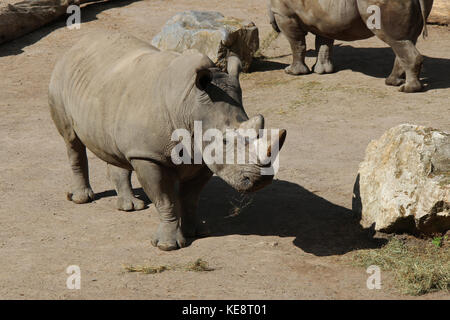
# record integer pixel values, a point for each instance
(419, 267)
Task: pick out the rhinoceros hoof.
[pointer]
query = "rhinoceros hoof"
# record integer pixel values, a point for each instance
(130, 204)
(169, 236)
(409, 87)
(83, 195)
(322, 68)
(392, 81)
(297, 69)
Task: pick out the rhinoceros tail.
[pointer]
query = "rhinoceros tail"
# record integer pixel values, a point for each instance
(424, 17)
(273, 22)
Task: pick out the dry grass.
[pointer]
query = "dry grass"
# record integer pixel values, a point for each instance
(238, 205)
(198, 265)
(419, 266)
(147, 269)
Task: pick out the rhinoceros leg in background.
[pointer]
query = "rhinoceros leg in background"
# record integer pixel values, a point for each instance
(189, 195)
(397, 76)
(324, 49)
(401, 31)
(292, 30)
(159, 184)
(410, 60)
(121, 178)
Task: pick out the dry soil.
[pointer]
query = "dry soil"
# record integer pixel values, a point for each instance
(289, 240)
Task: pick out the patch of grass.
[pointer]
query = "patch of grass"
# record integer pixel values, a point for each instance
(274, 82)
(311, 85)
(198, 265)
(147, 269)
(309, 96)
(238, 205)
(419, 267)
(439, 241)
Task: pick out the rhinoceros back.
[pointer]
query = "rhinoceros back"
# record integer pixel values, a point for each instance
(105, 83)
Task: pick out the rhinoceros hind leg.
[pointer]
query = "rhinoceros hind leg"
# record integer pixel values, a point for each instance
(121, 178)
(409, 60)
(190, 194)
(81, 189)
(324, 49)
(397, 76)
(290, 27)
(159, 184)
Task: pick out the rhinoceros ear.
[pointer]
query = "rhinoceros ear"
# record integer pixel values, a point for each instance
(204, 77)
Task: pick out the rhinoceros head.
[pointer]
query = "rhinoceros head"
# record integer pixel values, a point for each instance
(234, 147)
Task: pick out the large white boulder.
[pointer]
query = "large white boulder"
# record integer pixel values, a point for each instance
(403, 184)
(212, 34)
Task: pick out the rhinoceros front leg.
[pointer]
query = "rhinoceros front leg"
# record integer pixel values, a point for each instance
(159, 184)
(190, 194)
(121, 178)
(397, 76)
(290, 27)
(324, 49)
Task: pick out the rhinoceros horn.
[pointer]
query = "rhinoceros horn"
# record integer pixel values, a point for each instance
(234, 65)
(265, 155)
(281, 139)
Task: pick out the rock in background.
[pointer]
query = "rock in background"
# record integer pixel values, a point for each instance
(440, 13)
(19, 18)
(403, 184)
(212, 34)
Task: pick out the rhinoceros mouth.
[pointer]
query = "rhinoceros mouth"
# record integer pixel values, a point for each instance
(248, 185)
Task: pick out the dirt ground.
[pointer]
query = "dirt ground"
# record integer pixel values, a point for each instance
(290, 241)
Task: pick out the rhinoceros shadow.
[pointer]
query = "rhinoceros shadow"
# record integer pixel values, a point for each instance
(378, 62)
(285, 209)
(263, 65)
(374, 62)
(89, 12)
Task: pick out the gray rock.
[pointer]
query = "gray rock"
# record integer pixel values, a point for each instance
(403, 184)
(212, 34)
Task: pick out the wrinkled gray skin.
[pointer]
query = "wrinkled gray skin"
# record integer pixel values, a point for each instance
(402, 22)
(122, 98)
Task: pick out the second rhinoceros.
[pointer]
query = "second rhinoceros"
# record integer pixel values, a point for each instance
(123, 99)
(396, 22)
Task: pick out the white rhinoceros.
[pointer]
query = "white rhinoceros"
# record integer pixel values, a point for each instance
(122, 98)
(396, 22)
